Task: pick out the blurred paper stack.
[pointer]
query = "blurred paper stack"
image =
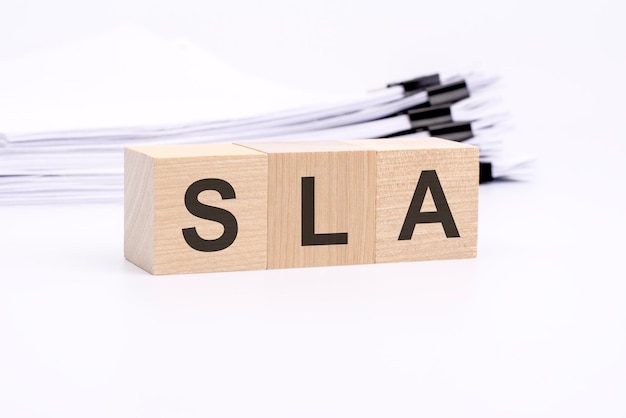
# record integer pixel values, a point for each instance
(64, 132)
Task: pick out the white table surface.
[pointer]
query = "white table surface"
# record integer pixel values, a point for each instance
(534, 326)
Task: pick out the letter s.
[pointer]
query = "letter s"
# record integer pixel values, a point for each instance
(212, 213)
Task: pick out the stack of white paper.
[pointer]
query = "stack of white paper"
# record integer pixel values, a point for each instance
(66, 121)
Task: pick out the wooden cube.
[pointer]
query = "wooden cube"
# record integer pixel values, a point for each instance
(195, 208)
(207, 208)
(320, 203)
(426, 198)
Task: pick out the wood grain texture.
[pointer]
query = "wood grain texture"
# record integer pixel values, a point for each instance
(399, 163)
(359, 192)
(139, 209)
(344, 202)
(175, 168)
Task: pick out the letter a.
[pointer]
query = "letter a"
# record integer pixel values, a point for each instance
(428, 180)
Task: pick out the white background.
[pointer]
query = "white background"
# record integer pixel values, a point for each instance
(535, 326)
